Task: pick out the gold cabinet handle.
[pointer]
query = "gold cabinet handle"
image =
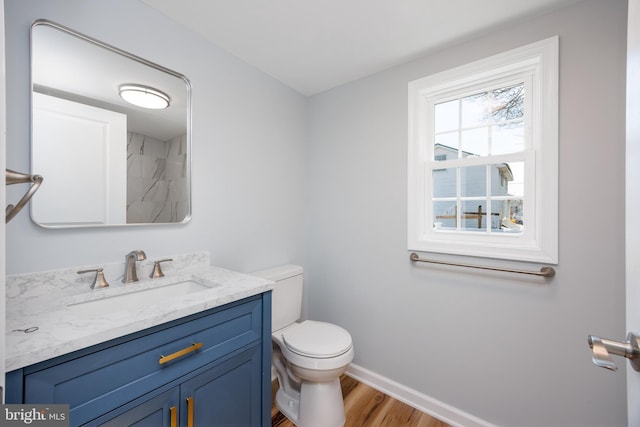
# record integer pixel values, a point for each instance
(190, 409)
(164, 359)
(173, 411)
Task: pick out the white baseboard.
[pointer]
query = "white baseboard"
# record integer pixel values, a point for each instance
(415, 399)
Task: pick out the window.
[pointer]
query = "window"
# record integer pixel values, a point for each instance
(483, 157)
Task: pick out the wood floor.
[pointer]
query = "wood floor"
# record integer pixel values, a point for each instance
(367, 407)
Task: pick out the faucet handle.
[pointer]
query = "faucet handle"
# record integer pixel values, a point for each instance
(157, 270)
(98, 281)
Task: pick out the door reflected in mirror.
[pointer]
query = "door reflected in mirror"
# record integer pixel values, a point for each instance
(106, 161)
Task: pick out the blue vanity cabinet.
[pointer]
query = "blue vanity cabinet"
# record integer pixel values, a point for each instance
(214, 365)
(220, 396)
(161, 410)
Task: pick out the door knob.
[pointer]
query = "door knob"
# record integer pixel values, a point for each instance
(601, 349)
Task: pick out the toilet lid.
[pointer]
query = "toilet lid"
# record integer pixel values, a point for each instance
(317, 339)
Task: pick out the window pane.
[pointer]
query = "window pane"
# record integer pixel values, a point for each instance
(444, 182)
(473, 180)
(474, 215)
(508, 103)
(475, 142)
(507, 138)
(507, 179)
(500, 177)
(474, 110)
(496, 207)
(444, 215)
(447, 143)
(480, 125)
(446, 116)
(516, 185)
(511, 214)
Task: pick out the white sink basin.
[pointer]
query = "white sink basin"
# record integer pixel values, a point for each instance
(138, 299)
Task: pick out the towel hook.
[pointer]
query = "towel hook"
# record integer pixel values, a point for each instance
(13, 177)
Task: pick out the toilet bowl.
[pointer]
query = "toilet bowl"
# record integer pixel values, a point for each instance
(308, 356)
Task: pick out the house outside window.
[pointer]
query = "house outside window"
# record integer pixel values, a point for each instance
(483, 157)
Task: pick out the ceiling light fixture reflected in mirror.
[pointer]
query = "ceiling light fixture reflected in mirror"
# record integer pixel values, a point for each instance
(143, 96)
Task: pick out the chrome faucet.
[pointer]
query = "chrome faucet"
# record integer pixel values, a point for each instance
(130, 274)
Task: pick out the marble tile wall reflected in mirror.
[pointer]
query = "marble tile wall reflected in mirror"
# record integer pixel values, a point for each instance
(156, 179)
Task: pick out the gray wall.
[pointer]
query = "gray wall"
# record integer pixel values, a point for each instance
(504, 348)
(249, 134)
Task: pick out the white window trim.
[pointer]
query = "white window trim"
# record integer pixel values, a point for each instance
(539, 242)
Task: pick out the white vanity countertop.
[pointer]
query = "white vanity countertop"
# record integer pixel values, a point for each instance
(42, 299)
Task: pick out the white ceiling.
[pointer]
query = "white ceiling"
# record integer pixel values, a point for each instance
(313, 46)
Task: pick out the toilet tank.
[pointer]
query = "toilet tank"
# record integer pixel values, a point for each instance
(287, 294)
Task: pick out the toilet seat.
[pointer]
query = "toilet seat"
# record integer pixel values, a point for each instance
(317, 339)
(328, 355)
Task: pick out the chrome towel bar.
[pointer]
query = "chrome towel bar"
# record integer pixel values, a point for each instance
(13, 177)
(544, 271)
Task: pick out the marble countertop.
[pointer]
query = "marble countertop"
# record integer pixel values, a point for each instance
(42, 300)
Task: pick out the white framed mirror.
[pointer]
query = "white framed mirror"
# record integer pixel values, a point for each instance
(106, 161)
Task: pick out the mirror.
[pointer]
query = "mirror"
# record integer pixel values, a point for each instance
(105, 161)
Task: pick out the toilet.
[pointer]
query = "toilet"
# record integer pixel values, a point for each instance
(308, 357)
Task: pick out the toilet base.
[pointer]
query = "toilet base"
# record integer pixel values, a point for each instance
(321, 404)
(317, 405)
